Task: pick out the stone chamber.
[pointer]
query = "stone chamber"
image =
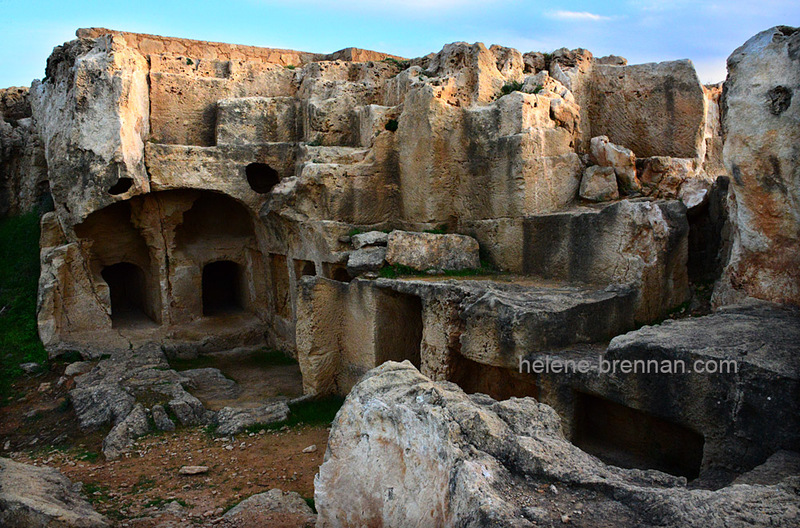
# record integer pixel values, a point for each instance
(470, 212)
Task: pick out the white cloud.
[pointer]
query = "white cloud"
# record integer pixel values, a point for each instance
(577, 15)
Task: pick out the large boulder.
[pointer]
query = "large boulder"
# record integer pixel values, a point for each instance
(655, 109)
(760, 123)
(405, 451)
(92, 111)
(424, 251)
(42, 497)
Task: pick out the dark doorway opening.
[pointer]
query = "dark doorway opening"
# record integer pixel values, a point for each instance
(631, 438)
(126, 284)
(261, 177)
(399, 328)
(340, 274)
(303, 268)
(221, 288)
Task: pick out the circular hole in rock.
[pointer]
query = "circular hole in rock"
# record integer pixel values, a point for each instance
(261, 177)
(122, 186)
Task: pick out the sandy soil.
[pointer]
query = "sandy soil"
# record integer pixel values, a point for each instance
(144, 489)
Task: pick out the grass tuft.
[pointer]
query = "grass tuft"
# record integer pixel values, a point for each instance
(513, 86)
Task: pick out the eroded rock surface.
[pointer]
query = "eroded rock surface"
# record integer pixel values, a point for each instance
(231, 420)
(120, 391)
(406, 451)
(759, 121)
(33, 497)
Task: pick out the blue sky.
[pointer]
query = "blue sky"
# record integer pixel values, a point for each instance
(652, 30)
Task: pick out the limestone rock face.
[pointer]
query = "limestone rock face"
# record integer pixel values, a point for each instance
(628, 242)
(297, 150)
(405, 451)
(599, 184)
(424, 251)
(761, 109)
(23, 168)
(42, 497)
(763, 339)
(93, 115)
(654, 109)
(115, 391)
(122, 436)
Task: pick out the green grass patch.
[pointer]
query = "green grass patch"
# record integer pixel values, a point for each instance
(87, 456)
(400, 64)
(398, 270)
(95, 492)
(290, 66)
(513, 86)
(19, 280)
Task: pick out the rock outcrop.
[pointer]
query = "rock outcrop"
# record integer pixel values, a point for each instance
(273, 508)
(23, 168)
(299, 150)
(759, 122)
(42, 497)
(405, 451)
(121, 390)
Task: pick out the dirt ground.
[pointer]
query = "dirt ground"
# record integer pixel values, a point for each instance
(144, 489)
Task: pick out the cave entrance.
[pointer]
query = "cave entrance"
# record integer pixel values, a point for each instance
(630, 438)
(126, 284)
(221, 288)
(399, 328)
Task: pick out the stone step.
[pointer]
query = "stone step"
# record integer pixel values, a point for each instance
(505, 319)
